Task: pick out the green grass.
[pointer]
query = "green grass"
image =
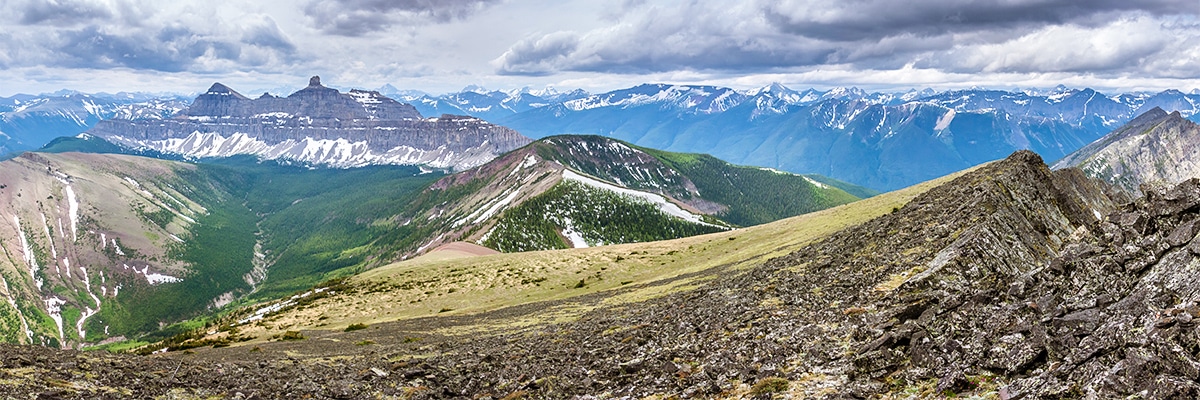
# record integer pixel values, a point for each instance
(423, 286)
(219, 252)
(599, 215)
(118, 347)
(754, 196)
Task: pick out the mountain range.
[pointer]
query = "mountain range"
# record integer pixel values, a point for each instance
(122, 245)
(880, 140)
(28, 122)
(316, 126)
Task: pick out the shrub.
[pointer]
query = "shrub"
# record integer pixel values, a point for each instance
(769, 385)
(355, 327)
(291, 335)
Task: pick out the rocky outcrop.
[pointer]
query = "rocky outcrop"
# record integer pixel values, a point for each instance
(317, 125)
(1154, 148)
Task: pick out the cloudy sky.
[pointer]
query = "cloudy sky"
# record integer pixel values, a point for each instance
(440, 46)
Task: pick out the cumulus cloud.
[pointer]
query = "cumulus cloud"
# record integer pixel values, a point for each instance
(854, 20)
(360, 17)
(956, 36)
(131, 34)
(1064, 48)
(654, 39)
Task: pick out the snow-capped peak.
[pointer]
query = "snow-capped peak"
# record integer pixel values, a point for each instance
(475, 89)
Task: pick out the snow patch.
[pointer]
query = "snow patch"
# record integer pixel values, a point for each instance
(815, 183)
(663, 205)
(153, 278)
(943, 122)
(27, 253)
(73, 212)
(54, 308)
(262, 312)
(573, 235)
(496, 207)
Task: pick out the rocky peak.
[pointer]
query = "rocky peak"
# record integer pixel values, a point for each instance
(219, 89)
(318, 125)
(1156, 147)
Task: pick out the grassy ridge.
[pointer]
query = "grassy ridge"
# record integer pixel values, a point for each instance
(627, 273)
(754, 195)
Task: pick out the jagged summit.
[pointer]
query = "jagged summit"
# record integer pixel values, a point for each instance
(1155, 147)
(218, 88)
(1149, 116)
(318, 125)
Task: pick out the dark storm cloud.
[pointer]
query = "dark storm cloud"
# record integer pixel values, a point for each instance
(268, 35)
(538, 55)
(173, 48)
(360, 17)
(61, 11)
(957, 36)
(854, 20)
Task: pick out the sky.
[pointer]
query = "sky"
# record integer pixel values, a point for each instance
(441, 46)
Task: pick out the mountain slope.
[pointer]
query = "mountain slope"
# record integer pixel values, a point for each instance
(88, 237)
(1155, 147)
(105, 245)
(578, 191)
(992, 284)
(316, 125)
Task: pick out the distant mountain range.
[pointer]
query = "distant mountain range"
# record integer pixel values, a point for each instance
(879, 140)
(316, 126)
(28, 122)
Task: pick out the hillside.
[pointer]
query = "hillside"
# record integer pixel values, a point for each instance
(104, 245)
(1155, 148)
(500, 293)
(581, 191)
(1011, 281)
(89, 237)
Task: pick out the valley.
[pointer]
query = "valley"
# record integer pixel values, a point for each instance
(633, 200)
(227, 232)
(1003, 280)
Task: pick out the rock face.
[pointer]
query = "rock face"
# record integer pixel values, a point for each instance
(1155, 147)
(317, 125)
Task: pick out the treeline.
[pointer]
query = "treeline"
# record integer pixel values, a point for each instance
(600, 216)
(754, 196)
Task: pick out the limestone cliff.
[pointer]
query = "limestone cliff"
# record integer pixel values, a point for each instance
(317, 125)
